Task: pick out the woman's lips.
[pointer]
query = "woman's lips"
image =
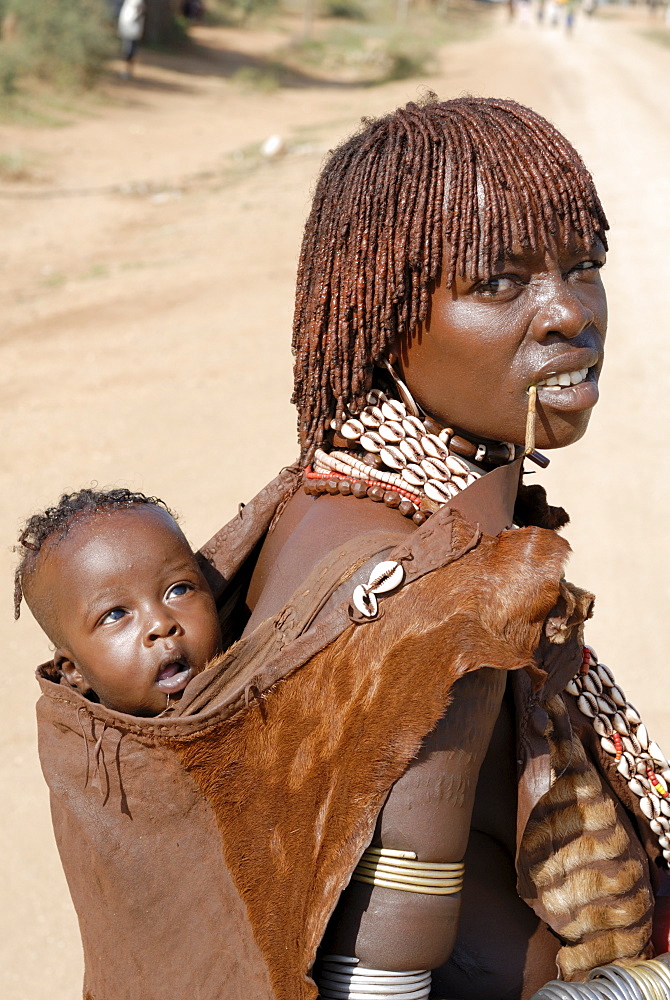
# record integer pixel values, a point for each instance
(570, 398)
(173, 677)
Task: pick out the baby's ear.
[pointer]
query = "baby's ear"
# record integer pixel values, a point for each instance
(70, 671)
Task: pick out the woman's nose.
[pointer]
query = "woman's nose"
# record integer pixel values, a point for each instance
(564, 315)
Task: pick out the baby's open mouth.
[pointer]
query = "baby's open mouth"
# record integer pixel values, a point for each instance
(173, 676)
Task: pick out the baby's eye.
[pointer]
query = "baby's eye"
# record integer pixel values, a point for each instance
(115, 615)
(179, 589)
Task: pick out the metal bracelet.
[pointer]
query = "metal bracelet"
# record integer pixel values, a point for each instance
(341, 978)
(642, 980)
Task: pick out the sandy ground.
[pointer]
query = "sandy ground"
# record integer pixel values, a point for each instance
(147, 275)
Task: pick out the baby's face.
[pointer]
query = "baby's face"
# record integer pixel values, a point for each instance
(134, 614)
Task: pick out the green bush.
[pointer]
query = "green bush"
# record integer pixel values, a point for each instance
(10, 67)
(351, 10)
(406, 57)
(63, 41)
(238, 11)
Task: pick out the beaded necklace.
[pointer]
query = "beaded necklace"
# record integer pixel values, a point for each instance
(391, 456)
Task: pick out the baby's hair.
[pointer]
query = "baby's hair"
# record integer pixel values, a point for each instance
(57, 521)
(475, 173)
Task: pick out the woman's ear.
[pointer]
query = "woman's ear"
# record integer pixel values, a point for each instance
(70, 671)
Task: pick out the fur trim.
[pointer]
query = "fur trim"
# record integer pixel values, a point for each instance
(587, 874)
(297, 780)
(531, 507)
(580, 887)
(576, 961)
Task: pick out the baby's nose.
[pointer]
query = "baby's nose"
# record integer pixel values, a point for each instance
(162, 628)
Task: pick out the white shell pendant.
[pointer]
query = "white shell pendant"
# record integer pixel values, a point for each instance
(617, 696)
(605, 675)
(413, 427)
(386, 576)
(437, 491)
(637, 787)
(373, 442)
(352, 429)
(620, 724)
(602, 726)
(434, 448)
(411, 449)
(592, 683)
(587, 705)
(623, 767)
(435, 469)
(414, 475)
(456, 466)
(372, 417)
(646, 806)
(364, 602)
(393, 409)
(632, 715)
(393, 458)
(392, 432)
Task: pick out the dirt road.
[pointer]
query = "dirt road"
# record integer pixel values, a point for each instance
(147, 272)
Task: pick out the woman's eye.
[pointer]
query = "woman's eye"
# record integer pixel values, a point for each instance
(588, 267)
(179, 589)
(496, 286)
(115, 615)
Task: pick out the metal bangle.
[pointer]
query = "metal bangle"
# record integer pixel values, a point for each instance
(642, 980)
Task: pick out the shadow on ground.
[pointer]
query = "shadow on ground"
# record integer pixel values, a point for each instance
(198, 59)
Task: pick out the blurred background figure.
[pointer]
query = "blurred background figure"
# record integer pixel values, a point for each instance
(131, 29)
(193, 10)
(571, 8)
(524, 14)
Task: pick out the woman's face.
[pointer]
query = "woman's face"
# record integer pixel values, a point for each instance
(539, 316)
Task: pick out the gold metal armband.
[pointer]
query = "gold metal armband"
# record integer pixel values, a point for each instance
(389, 869)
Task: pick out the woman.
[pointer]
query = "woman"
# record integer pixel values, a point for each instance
(383, 785)
(451, 259)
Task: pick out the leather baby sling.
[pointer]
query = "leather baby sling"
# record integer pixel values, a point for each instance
(206, 850)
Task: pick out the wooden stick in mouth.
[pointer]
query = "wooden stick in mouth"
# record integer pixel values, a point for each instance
(530, 421)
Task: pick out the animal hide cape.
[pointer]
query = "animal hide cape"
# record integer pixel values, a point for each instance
(206, 851)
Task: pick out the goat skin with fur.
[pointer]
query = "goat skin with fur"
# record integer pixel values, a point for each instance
(206, 851)
(330, 740)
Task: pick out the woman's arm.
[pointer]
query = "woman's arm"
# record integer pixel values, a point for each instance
(428, 812)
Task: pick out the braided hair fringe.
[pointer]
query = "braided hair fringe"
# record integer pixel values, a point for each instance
(473, 176)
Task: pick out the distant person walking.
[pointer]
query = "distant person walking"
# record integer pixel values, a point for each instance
(131, 28)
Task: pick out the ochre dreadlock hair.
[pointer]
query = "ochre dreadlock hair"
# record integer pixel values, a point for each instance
(57, 521)
(474, 175)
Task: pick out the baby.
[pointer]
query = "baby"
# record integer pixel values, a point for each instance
(111, 579)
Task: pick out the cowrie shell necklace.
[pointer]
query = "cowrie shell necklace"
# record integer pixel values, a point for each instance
(390, 456)
(623, 735)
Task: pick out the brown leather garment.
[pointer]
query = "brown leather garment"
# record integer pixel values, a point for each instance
(206, 851)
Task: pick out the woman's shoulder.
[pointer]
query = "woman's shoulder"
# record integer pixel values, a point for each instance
(307, 531)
